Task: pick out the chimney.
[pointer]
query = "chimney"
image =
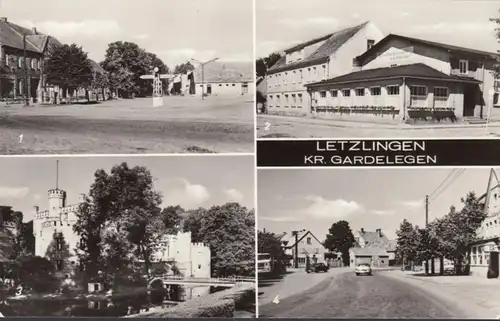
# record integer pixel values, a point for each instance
(379, 232)
(34, 30)
(362, 230)
(4, 19)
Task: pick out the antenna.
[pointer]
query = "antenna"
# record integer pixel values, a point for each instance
(57, 174)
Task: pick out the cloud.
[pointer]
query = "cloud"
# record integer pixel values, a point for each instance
(13, 192)
(237, 58)
(382, 212)
(69, 29)
(455, 27)
(279, 219)
(141, 36)
(233, 195)
(187, 195)
(37, 197)
(324, 208)
(412, 204)
(310, 22)
(177, 56)
(355, 15)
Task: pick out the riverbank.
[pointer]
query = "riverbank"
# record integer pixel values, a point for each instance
(219, 304)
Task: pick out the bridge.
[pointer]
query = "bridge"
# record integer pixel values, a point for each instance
(182, 280)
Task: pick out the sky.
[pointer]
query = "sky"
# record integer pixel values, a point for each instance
(187, 181)
(459, 22)
(173, 29)
(314, 199)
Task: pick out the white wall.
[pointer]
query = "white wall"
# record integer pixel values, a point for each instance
(226, 89)
(395, 56)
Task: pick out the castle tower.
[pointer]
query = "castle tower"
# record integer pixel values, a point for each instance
(57, 200)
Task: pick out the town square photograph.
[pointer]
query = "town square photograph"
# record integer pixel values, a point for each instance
(336, 68)
(121, 76)
(170, 237)
(379, 243)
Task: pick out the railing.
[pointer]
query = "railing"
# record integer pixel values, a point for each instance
(228, 280)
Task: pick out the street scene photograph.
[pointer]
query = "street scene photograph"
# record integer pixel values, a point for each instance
(169, 237)
(379, 243)
(126, 77)
(337, 68)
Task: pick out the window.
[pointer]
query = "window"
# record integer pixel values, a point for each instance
(284, 78)
(301, 76)
(375, 91)
(270, 99)
(322, 94)
(334, 93)
(20, 62)
(441, 92)
(323, 77)
(294, 76)
(220, 85)
(392, 90)
(300, 100)
(346, 92)
(234, 85)
(7, 60)
(463, 67)
(309, 241)
(287, 101)
(418, 91)
(360, 91)
(369, 44)
(294, 100)
(277, 100)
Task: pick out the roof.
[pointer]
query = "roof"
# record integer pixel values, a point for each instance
(438, 45)
(11, 35)
(374, 239)
(225, 72)
(368, 251)
(416, 71)
(290, 238)
(332, 42)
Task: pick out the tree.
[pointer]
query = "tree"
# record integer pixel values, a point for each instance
(119, 221)
(183, 68)
(229, 231)
(340, 239)
(101, 81)
(496, 70)
(263, 64)
(407, 241)
(68, 67)
(58, 253)
(172, 218)
(269, 243)
(37, 273)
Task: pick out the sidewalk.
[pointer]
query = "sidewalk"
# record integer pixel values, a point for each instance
(351, 123)
(476, 294)
(294, 282)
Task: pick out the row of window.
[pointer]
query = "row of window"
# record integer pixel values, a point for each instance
(293, 100)
(220, 85)
(299, 76)
(31, 63)
(374, 91)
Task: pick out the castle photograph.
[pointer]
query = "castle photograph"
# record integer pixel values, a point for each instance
(135, 236)
(136, 79)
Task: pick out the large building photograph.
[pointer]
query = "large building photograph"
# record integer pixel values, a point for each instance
(357, 70)
(127, 236)
(341, 242)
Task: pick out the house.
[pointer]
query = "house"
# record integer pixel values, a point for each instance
(300, 245)
(315, 60)
(372, 247)
(484, 252)
(403, 79)
(16, 81)
(225, 79)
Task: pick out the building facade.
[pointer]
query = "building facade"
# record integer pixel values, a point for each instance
(402, 79)
(301, 245)
(225, 79)
(192, 259)
(312, 61)
(372, 247)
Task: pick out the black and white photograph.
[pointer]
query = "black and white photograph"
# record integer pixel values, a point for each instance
(389, 68)
(169, 237)
(379, 243)
(126, 77)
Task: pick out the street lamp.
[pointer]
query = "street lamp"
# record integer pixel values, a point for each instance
(202, 64)
(296, 256)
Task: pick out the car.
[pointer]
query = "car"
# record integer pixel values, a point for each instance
(264, 263)
(318, 267)
(363, 269)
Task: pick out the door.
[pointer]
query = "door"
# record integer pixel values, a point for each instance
(493, 265)
(469, 100)
(209, 89)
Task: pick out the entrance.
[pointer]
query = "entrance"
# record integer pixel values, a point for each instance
(244, 88)
(493, 268)
(470, 92)
(209, 89)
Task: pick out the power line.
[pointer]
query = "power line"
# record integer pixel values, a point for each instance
(444, 181)
(455, 177)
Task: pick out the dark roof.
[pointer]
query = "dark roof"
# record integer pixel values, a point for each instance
(374, 239)
(369, 251)
(226, 72)
(442, 46)
(11, 35)
(291, 241)
(332, 43)
(418, 71)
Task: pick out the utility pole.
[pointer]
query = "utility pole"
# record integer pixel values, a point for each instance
(296, 250)
(202, 64)
(426, 225)
(26, 91)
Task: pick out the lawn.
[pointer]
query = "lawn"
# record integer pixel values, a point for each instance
(181, 125)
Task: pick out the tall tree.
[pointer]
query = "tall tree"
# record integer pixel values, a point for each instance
(497, 56)
(172, 218)
(68, 67)
(263, 64)
(270, 243)
(183, 68)
(407, 241)
(340, 239)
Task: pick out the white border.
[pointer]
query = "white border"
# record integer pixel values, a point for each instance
(255, 179)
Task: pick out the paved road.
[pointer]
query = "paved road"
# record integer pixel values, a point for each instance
(348, 296)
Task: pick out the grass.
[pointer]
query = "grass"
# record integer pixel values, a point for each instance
(182, 125)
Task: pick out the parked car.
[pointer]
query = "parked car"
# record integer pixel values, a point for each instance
(449, 269)
(318, 267)
(363, 269)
